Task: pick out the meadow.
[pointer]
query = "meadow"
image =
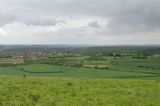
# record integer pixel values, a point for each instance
(47, 91)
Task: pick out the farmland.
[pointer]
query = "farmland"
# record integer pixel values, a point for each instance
(142, 69)
(92, 76)
(4, 61)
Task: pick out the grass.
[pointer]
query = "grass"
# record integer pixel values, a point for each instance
(67, 71)
(43, 91)
(120, 68)
(77, 86)
(150, 66)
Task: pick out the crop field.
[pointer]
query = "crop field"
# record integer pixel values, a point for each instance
(121, 68)
(84, 77)
(11, 61)
(46, 91)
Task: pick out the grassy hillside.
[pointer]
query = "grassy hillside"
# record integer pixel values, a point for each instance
(41, 91)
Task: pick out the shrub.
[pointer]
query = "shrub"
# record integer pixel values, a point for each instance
(24, 76)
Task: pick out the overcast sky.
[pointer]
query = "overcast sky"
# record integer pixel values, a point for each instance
(102, 22)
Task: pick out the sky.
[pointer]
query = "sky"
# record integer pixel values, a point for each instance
(97, 22)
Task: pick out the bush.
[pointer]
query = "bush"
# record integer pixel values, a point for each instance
(77, 65)
(24, 76)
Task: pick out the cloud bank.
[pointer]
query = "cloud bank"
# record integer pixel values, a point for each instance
(106, 22)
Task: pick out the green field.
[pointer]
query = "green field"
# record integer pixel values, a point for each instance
(120, 68)
(127, 82)
(44, 91)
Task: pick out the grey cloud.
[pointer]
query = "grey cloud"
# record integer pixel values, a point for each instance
(44, 22)
(5, 19)
(124, 16)
(125, 10)
(94, 24)
(136, 15)
(144, 14)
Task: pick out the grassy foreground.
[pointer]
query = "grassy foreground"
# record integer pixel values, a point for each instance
(43, 91)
